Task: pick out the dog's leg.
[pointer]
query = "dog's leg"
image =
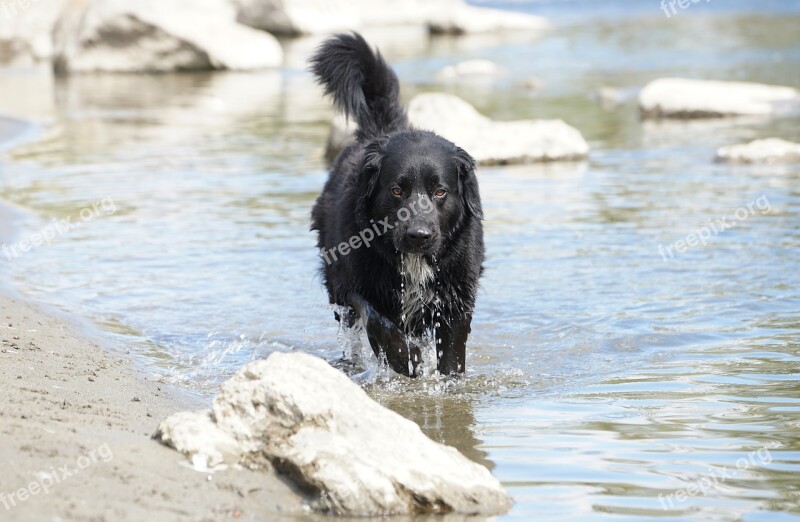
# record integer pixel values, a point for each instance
(452, 351)
(387, 340)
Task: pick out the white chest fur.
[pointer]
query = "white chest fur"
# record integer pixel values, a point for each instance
(418, 286)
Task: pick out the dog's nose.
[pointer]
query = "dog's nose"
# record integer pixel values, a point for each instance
(418, 235)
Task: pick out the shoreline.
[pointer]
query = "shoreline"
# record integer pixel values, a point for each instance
(76, 427)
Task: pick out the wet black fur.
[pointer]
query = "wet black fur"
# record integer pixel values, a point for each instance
(389, 153)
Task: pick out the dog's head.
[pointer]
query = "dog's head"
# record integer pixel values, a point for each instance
(423, 186)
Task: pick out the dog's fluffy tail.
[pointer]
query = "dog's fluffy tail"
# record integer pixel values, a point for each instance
(361, 84)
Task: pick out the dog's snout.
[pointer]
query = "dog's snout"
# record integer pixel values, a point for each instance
(418, 235)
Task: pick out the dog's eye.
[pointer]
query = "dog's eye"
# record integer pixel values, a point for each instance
(397, 191)
(440, 193)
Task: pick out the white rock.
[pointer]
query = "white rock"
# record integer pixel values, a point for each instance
(470, 68)
(770, 150)
(298, 17)
(26, 31)
(307, 17)
(496, 142)
(159, 36)
(489, 142)
(195, 434)
(682, 98)
(315, 424)
(467, 19)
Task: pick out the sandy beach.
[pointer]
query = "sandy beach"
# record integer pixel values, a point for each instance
(75, 436)
(76, 428)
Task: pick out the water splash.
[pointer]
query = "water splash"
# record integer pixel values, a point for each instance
(357, 359)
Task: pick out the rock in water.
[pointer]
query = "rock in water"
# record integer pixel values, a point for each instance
(770, 150)
(306, 17)
(26, 31)
(322, 430)
(682, 98)
(489, 142)
(496, 142)
(159, 36)
(468, 19)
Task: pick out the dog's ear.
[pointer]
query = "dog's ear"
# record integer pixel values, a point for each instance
(468, 183)
(370, 168)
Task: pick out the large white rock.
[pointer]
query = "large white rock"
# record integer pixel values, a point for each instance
(467, 19)
(496, 142)
(683, 98)
(159, 36)
(770, 150)
(320, 428)
(26, 31)
(489, 142)
(306, 17)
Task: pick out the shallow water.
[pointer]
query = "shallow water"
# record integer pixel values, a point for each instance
(602, 373)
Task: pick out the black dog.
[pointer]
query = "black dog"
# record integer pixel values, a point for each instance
(399, 219)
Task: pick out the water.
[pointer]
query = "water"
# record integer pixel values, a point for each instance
(606, 380)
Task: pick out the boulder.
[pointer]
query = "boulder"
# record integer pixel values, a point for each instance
(315, 425)
(308, 17)
(26, 32)
(489, 142)
(158, 36)
(496, 142)
(300, 17)
(770, 150)
(470, 69)
(682, 98)
(467, 19)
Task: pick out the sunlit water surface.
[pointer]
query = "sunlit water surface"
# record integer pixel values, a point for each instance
(607, 380)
